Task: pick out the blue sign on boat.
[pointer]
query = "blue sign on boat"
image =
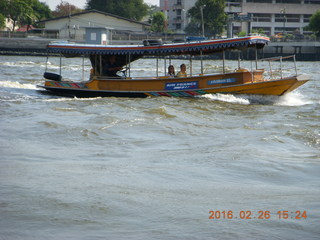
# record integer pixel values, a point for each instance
(182, 85)
(221, 81)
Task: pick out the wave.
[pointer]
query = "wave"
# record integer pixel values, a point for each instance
(228, 98)
(290, 99)
(293, 99)
(64, 99)
(9, 84)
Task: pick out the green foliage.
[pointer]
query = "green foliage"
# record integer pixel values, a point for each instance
(213, 15)
(259, 31)
(133, 9)
(314, 24)
(2, 21)
(24, 12)
(193, 28)
(158, 22)
(242, 34)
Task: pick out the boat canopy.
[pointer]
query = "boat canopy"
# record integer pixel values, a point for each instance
(192, 48)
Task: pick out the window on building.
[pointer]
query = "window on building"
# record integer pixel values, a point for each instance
(233, 3)
(260, 1)
(306, 18)
(287, 18)
(261, 17)
(312, 1)
(178, 26)
(286, 30)
(178, 12)
(289, 1)
(178, 2)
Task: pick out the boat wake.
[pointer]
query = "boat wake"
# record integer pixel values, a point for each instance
(9, 84)
(290, 99)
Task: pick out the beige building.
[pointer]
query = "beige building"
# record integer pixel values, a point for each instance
(272, 16)
(74, 26)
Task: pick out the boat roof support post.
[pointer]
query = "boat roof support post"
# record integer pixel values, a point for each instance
(129, 64)
(60, 64)
(100, 62)
(295, 64)
(157, 66)
(82, 67)
(165, 66)
(190, 65)
(47, 63)
(281, 67)
(256, 53)
(271, 74)
(201, 59)
(239, 60)
(223, 61)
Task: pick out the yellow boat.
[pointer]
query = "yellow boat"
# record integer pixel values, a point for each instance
(104, 82)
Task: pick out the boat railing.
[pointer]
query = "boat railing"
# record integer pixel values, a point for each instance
(282, 70)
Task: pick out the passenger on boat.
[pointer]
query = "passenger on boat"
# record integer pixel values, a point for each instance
(182, 72)
(111, 68)
(171, 72)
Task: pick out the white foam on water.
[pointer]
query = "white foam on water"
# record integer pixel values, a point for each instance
(9, 84)
(293, 99)
(290, 99)
(227, 98)
(64, 99)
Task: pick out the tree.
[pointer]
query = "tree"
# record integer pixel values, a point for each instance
(214, 17)
(133, 9)
(23, 12)
(39, 12)
(64, 9)
(158, 22)
(314, 24)
(2, 21)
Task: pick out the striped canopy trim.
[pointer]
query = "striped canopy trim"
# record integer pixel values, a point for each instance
(166, 49)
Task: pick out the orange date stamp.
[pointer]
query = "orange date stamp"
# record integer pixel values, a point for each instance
(262, 214)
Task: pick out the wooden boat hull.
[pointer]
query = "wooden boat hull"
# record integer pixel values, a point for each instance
(232, 83)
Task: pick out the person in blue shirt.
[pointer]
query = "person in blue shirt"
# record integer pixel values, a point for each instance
(111, 68)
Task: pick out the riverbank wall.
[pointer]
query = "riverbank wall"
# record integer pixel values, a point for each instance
(304, 51)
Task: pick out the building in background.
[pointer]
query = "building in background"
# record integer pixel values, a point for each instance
(75, 25)
(270, 16)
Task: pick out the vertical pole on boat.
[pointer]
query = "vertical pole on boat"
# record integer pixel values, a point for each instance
(271, 74)
(165, 65)
(157, 65)
(223, 59)
(129, 57)
(201, 58)
(295, 65)
(47, 63)
(239, 60)
(281, 66)
(190, 65)
(100, 65)
(95, 65)
(82, 67)
(60, 65)
(256, 53)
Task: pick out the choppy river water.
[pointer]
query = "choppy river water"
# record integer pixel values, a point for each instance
(156, 168)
